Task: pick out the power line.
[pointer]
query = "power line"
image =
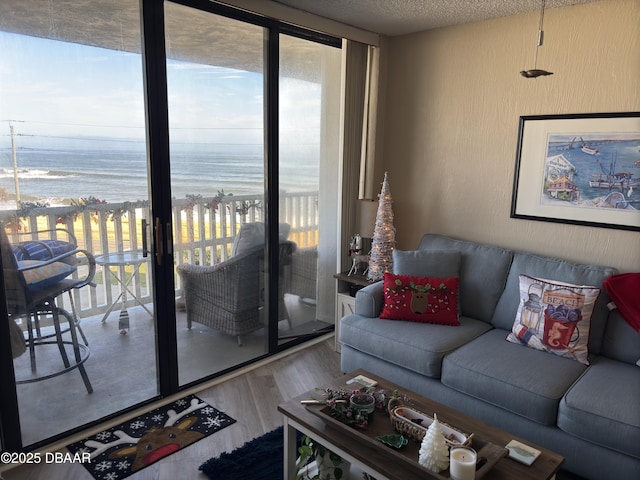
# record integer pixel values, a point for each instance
(127, 126)
(74, 124)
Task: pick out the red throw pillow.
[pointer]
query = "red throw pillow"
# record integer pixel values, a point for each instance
(623, 289)
(421, 299)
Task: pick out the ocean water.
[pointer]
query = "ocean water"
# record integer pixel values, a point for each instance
(120, 174)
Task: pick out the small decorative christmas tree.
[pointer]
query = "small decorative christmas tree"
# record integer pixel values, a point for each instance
(434, 452)
(384, 236)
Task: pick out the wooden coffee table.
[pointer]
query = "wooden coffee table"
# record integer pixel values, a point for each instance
(380, 461)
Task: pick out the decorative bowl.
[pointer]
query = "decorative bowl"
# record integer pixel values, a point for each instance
(363, 402)
(414, 424)
(395, 441)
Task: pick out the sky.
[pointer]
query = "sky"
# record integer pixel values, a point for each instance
(55, 88)
(46, 83)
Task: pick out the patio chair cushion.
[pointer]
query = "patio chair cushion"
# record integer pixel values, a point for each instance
(252, 235)
(46, 275)
(41, 250)
(304, 272)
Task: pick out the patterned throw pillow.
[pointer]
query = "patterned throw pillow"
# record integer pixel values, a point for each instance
(554, 317)
(421, 299)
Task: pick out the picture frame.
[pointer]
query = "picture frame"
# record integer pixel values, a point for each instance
(581, 169)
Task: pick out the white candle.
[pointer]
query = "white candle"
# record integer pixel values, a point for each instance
(462, 463)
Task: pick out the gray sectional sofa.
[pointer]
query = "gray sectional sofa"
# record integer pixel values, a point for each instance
(590, 414)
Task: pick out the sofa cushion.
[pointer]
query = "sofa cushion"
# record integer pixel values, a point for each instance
(524, 381)
(602, 406)
(483, 273)
(421, 263)
(414, 346)
(554, 269)
(621, 342)
(420, 299)
(554, 317)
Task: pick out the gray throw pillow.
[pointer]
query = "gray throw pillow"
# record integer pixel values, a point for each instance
(421, 263)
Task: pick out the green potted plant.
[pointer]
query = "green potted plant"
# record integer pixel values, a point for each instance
(394, 401)
(330, 466)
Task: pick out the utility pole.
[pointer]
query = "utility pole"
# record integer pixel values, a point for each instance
(15, 166)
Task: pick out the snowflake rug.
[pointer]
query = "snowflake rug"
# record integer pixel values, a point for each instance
(119, 451)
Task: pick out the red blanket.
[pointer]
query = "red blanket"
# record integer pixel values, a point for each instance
(624, 290)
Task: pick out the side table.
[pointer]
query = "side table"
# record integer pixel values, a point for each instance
(122, 259)
(346, 290)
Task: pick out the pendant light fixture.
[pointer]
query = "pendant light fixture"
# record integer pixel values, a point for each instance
(536, 72)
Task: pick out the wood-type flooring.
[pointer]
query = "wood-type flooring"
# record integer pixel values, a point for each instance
(251, 398)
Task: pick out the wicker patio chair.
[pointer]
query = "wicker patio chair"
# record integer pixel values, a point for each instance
(304, 271)
(32, 287)
(229, 297)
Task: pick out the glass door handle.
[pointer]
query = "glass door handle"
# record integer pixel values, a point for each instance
(159, 245)
(168, 237)
(145, 246)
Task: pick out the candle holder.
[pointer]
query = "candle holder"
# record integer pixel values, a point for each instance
(462, 463)
(363, 402)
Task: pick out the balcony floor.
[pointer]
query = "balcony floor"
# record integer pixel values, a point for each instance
(122, 368)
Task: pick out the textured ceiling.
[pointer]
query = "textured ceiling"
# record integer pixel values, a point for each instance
(213, 40)
(399, 17)
(115, 24)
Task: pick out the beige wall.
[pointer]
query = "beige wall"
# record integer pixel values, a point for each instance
(450, 120)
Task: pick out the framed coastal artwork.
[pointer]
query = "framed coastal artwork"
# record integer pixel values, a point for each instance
(581, 169)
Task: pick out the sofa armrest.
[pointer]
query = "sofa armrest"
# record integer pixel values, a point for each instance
(369, 300)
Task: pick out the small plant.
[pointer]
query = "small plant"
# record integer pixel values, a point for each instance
(338, 401)
(330, 465)
(333, 396)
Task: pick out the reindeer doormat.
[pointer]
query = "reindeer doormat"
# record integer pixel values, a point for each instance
(119, 451)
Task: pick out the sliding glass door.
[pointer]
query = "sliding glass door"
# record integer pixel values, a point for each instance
(231, 174)
(215, 87)
(190, 151)
(308, 136)
(73, 175)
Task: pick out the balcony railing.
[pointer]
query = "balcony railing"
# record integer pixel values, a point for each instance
(203, 232)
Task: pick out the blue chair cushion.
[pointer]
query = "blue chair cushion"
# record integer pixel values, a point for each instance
(41, 250)
(41, 277)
